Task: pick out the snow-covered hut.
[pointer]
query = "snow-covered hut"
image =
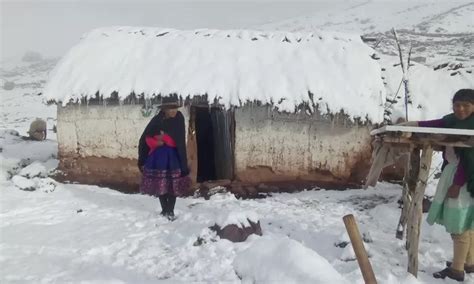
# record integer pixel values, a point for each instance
(259, 106)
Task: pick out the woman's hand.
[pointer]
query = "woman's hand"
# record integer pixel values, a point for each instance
(453, 191)
(160, 138)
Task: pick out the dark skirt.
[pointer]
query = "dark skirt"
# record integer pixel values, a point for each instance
(162, 174)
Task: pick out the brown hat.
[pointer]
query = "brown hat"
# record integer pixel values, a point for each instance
(170, 102)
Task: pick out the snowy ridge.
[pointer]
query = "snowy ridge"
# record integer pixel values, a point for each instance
(379, 16)
(233, 67)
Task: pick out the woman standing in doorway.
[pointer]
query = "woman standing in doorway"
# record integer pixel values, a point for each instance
(162, 157)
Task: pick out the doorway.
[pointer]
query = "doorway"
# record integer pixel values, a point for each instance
(215, 143)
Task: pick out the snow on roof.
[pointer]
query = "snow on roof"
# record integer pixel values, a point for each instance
(234, 67)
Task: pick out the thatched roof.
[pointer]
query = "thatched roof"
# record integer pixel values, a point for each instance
(232, 67)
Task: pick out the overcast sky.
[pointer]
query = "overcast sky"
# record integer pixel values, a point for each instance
(52, 27)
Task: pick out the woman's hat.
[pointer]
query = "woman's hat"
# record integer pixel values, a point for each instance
(170, 102)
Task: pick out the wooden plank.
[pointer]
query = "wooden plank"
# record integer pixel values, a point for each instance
(417, 129)
(429, 140)
(359, 249)
(415, 214)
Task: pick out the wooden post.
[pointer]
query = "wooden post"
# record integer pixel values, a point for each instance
(359, 249)
(415, 213)
(409, 187)
(191, 146)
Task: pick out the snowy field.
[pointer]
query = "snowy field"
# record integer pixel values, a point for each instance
(72, 233)
(85, 234)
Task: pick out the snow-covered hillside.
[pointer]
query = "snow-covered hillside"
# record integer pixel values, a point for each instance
(441, 34)
(431, 16)
(21, 99)
(439, 31)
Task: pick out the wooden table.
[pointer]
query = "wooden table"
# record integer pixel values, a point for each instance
(418, 140)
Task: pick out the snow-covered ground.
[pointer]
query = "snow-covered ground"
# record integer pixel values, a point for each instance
(85, 234)
(72, 233)
(78, 233)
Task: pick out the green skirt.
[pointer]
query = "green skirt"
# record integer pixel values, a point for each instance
(455, 214)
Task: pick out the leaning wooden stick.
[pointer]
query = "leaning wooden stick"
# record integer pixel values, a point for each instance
(359, 249)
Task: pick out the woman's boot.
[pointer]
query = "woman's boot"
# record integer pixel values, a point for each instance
(450, 273)
(163, 203)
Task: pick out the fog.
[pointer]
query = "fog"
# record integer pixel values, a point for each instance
(52, 27)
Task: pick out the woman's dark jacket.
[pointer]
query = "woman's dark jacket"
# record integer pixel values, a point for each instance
(172, 126)
(466, 154)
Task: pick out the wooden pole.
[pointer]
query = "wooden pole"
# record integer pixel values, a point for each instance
(359, 249)
(409, 189)
(416, 210)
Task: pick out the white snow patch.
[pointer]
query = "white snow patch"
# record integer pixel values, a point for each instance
(223, 196)
(36, 169)
(408, 279)
(46, 184)
(23, 183)
(18, 148)
(348, 253)
(283, 260)
(239, 218)
(344, 238)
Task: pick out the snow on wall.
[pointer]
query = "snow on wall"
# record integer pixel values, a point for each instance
(295, 144)
(231, 66)
(102, 131)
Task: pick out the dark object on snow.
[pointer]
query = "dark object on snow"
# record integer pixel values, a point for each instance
(367, 238)
(419, 59)
(441, 66)
(199, 242)
(426, 204)
(375, 56)
(450, 273)
(8, 85)
(28, 188)
(78, 210)
(168, 202)
(235, 233)
(37, 130)
(341, 244)
(32, 56)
